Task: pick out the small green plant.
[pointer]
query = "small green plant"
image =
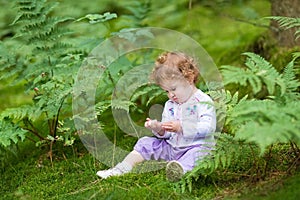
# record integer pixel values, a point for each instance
(46, 67)
(47, 64)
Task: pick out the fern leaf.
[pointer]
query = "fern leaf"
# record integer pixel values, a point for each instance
(233, 74)
(155, 94)
(226, 150)
(266, 122)
(263, 69)
(287, 23)
(9, 66)
(10, 132)
(43, 30)
(151, 92)
(96, 18)
(289, 77)
(265, 134)
(102, 106)
(258, 72)
(122, 104)
(25, 111)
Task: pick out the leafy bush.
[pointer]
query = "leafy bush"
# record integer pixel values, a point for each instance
(254, 124)
(47, 63)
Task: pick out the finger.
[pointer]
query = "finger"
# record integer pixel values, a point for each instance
(167, 127)
(147, 124)
(167, 123)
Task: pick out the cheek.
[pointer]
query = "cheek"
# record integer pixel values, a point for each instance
(184, 92)
(181, 92)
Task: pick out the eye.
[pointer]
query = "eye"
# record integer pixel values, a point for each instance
(173, 89)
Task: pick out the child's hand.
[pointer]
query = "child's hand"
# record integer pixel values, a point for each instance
(153, 125)
(172, 126)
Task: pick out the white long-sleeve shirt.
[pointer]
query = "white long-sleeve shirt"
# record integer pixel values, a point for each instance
(197, 118)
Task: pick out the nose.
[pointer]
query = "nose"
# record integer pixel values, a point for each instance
(171, 94)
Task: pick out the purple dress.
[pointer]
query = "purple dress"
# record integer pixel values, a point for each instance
(198, 121)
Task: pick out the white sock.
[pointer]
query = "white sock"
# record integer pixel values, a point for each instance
(123, 167)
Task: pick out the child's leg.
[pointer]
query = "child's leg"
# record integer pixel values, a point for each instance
(146, 148)
(133, 158)
(185, 162)
(123, 167)
(192, 156)
(152, 148)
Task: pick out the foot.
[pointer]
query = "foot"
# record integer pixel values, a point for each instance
(108, 173)
(174, 171)
(118, 170)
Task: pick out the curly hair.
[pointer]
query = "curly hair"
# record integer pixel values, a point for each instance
(175, 65)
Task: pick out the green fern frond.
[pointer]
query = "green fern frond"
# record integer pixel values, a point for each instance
(287, 23)
(250, 110)
(266, 122)
(44, 34)
(258, 72)
(296, 55)
(26, 111)
(52, 98)
(102, 106)
(226, 151)
(289, 77)
(267, 73)
(34, 9)
(122, 104)
(37, 27)
(8, 63)
(43, 29)
(224, 102)
(240, 76)
(229, 154)
(96, 18)
(139, 10)
(155, 94)
(9, 132)
(150, 91)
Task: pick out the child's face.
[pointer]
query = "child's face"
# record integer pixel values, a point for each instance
(178, 90)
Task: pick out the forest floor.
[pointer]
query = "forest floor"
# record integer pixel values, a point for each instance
(28, 173)
(72, 175)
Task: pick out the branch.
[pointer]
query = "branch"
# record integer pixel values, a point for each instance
(35, 133)
(293, 164)
(57, 115)
(32, 140)
(33, 130)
